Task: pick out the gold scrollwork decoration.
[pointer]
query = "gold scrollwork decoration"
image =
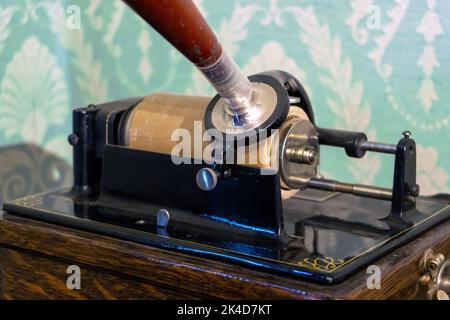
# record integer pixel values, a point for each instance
(321, 263)
(29, 201)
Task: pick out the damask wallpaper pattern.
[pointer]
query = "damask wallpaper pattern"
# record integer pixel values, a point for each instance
(378, 66)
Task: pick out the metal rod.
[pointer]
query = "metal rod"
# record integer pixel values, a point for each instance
(355, 189)
(232, 85)
(378, 147)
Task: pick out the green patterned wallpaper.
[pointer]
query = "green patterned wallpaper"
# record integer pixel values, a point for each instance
(379, 66)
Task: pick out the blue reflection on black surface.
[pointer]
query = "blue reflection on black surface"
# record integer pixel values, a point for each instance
(239, 225)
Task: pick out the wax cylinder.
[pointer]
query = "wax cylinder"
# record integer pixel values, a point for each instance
(151, 125)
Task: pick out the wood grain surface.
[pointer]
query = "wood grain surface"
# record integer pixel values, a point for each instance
(34, 257)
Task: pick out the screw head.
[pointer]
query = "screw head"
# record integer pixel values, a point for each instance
(415, 190)
(207, 179)
(407, 134)
(73, 139)
(162, 218)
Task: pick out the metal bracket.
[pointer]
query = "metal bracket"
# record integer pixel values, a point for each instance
(405, 189)
(404, 177)
(236, 196)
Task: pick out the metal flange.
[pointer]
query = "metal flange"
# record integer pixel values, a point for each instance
(299, 155)
(269, 109)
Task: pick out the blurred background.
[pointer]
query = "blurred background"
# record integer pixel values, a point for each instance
(378, 66)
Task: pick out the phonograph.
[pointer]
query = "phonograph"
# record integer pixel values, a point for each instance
(233, 177)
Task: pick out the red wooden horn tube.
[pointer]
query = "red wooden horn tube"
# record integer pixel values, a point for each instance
(181, 23)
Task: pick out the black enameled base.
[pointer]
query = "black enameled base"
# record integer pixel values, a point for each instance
(327, 236)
